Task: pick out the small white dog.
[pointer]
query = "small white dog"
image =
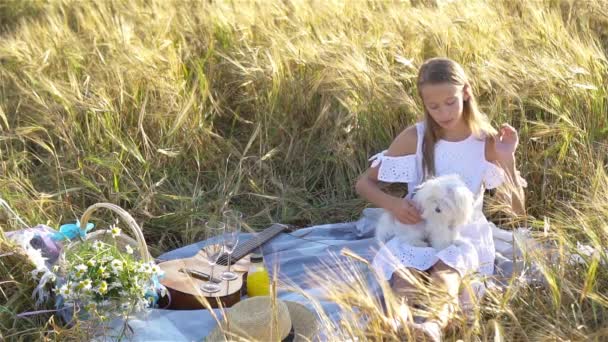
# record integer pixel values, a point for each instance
(446, 203)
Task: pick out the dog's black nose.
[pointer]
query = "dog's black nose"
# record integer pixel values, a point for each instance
(437, 210)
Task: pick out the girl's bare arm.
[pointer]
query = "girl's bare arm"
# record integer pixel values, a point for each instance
(367, 185)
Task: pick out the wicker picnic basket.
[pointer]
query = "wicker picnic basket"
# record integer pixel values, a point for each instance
(137, 243)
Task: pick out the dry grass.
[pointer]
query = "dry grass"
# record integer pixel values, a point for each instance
(274, 107)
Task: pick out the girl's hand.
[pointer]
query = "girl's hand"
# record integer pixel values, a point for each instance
(406, 212)
(506, 143)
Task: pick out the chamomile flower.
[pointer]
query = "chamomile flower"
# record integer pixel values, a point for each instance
(129, 250)
(80, 270)
(115, 231)
(105, 260)
(91, 262)
(157, 270)
(65, 290)
(84, 285)
(103, 288)
(116, 265)
(97, 245)
(102, 271)
(145, 268)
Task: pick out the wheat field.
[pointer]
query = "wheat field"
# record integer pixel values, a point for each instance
(173, 109)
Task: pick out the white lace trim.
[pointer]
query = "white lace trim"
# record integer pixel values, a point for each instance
(473, 253)
(395, 255)
(493, 176)
(522, 181)
(399, 169)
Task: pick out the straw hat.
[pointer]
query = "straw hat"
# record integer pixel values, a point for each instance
(252, 319)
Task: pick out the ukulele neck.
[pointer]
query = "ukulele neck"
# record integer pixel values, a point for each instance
(242, 249)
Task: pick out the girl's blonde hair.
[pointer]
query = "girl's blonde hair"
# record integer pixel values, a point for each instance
(442, 70)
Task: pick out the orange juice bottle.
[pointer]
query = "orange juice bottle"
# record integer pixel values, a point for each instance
(258, 280)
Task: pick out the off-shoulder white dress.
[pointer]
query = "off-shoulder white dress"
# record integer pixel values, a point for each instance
(475, 252)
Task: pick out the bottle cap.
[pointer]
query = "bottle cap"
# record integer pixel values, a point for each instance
(256, 257)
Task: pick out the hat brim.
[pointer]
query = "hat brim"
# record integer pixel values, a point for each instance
(303, 320)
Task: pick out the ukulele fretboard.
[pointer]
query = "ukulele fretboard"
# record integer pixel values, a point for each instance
(250, 245)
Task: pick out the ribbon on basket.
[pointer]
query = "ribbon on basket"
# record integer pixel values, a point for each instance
(71, 231)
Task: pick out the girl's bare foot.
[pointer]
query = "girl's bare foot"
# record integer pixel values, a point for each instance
(429, 331)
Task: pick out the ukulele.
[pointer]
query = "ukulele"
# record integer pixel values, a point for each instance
(184, 277)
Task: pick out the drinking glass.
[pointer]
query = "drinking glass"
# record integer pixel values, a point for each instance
(214, 232)
(232, 220)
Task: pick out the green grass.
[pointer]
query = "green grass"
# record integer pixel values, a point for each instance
(274, 107)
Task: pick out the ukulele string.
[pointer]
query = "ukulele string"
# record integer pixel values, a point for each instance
(299, 238)
(317, 242)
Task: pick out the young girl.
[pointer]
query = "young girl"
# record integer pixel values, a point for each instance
(455, 137)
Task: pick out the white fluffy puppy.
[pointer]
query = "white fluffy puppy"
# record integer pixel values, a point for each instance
(446, 203)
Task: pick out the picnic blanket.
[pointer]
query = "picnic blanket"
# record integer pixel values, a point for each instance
(294, 255)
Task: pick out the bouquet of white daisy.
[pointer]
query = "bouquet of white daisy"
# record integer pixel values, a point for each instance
(104, 280)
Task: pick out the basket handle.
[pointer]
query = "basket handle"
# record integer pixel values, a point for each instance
(128, 219)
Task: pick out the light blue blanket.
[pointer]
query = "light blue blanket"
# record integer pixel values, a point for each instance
(294, 254)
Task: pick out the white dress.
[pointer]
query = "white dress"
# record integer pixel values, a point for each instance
(475, 253)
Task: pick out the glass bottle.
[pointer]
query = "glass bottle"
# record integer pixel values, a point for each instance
(258, 279)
